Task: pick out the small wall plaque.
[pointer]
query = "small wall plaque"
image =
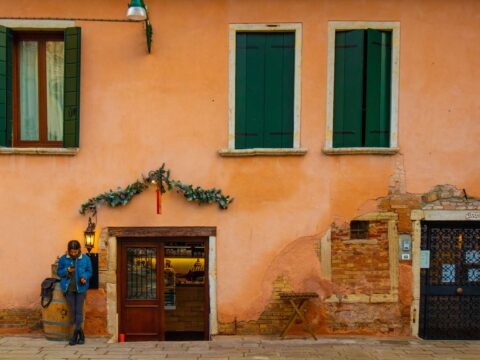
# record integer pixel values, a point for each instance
(424, 259)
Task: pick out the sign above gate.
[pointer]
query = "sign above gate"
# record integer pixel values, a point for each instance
(472, 215)
(424, 259)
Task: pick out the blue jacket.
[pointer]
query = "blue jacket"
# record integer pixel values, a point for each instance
(83, 268)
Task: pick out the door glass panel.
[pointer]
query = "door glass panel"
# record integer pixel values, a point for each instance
(473, 275)
(184, 294)
(472, 257)
(141, 273)
(448, 273)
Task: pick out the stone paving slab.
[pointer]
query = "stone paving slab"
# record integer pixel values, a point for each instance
(237, 347)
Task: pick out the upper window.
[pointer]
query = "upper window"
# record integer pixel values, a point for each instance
(362, 111)
(264, 86)
(39, 88)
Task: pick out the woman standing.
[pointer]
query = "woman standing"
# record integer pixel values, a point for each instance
(74, 270)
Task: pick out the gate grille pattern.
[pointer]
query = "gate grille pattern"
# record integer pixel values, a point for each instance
(450, 287)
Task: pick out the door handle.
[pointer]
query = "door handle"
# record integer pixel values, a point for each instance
(459, 291)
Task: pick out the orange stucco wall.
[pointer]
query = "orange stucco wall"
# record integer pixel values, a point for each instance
(139, 110)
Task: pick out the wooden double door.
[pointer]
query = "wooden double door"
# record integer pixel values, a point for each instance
(151, 305)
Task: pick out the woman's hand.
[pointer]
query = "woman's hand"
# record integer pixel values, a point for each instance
(83, 281)
(70, 269)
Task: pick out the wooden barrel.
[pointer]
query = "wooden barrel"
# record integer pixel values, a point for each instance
(57, 317)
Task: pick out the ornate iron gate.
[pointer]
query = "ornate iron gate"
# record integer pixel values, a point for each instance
(450, 286)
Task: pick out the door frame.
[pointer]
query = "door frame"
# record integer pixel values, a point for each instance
(108, 244)
(417, 216)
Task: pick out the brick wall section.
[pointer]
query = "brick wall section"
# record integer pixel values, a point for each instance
(272, 320)
(20, 320)
(360, 267)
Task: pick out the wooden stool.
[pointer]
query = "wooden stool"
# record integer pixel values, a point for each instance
(297, 301)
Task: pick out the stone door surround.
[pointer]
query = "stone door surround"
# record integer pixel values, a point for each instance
(108, 265)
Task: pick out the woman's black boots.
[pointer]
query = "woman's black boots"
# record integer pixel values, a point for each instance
(81, 337)
(74, 338)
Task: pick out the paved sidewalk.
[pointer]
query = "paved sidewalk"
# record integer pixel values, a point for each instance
(233, 347)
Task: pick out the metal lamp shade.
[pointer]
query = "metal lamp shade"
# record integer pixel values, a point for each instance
(136, 10)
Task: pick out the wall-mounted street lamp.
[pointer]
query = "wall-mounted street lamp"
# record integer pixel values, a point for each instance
(89, 236)
(138, 11)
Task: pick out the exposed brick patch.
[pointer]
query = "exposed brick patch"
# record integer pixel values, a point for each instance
(359, 267)
(272, 320)
(20, 320)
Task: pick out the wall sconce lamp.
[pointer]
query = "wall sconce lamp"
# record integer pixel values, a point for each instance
(89, 236)
(138, 11)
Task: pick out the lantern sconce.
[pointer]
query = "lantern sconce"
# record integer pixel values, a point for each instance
(89, 236)
(138, 11)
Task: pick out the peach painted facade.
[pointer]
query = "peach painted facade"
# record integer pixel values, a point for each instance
(139, 110)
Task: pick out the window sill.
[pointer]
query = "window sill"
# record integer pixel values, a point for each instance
(261, 152)
(39, 151)
(361, 151)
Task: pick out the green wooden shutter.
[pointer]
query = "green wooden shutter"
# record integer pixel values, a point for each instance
(264, 90)
(241, 91)
(6, 79)
(348, 88)
(71, 104)
(378, 86)
(250, 90)
(279, 90)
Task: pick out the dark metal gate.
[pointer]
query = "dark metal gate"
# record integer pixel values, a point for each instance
(450, 286)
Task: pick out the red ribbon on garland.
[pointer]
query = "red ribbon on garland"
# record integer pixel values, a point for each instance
(159, 201)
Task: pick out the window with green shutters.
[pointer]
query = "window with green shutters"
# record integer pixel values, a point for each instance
(362, 88)
(40, 88)
(264, 89)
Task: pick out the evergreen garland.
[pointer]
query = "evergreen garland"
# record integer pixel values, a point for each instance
(162, 180)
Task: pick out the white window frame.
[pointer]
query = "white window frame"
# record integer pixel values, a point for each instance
(333, 27)
(266, 27)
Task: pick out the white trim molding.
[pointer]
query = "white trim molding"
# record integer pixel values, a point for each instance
(38, 151)
(333, 27)
(266, 27)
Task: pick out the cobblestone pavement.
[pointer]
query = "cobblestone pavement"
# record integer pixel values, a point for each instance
(232, 347)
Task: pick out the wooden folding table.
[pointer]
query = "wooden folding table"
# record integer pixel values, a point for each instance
(298, 301)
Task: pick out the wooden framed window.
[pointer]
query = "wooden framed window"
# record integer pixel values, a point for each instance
(40, 88)
(264, 90)
(359, 229)
(38, 82)
(362, 88)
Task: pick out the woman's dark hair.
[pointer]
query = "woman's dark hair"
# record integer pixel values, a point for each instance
(73, 245)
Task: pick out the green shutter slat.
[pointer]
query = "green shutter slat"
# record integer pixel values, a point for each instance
(348, 88)
(241, 91)
(255, 90)
(273, 108)
(6, 79)
(72, 87)
(378, 87)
